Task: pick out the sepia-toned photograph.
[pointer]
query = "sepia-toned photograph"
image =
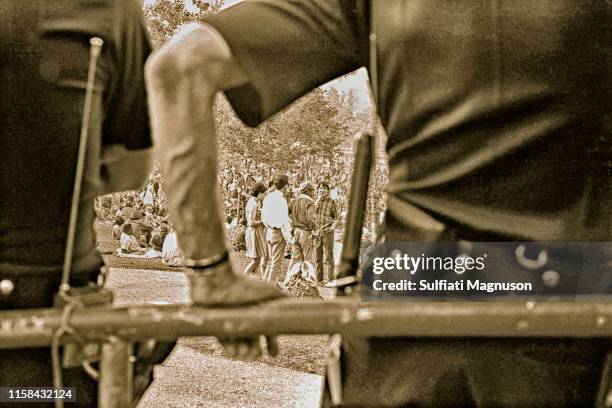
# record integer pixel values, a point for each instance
(306, 203)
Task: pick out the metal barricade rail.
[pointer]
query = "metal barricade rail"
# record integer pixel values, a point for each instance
(580, 318)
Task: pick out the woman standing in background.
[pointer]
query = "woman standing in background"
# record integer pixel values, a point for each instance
(255, 236)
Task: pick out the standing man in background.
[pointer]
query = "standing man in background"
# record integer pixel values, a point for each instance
(327, 216)
(301, 211)
(275, 216)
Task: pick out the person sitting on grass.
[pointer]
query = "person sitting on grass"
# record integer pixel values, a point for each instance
(128, 242)
(127, 211)
(158, 237)
(117, 227)
(172, 254)
(150, 218)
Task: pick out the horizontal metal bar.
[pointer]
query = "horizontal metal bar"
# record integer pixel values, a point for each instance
(34, 327)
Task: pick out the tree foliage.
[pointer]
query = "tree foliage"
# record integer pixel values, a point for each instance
(318, 126)
(163, 17)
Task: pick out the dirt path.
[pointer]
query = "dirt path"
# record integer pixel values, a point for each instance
(192, 379)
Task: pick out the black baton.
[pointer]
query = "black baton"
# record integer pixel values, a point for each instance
(364, 153)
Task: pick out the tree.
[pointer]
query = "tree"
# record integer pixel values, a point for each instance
(356, 118)
(311, 127)
(163, 17)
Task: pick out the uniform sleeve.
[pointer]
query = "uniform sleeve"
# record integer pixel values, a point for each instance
(127, 119)
(288, 48)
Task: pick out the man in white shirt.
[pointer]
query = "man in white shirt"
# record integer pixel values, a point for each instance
(275, 216)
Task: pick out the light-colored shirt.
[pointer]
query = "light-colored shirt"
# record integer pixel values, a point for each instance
(148, 196)
(129, 243)
(172, 255)
(275, 213)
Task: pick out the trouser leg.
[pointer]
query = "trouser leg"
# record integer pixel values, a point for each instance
(308, 249)
(327, 243)
(263, 265)
(297, 254)
(276, 246)
(319, 261)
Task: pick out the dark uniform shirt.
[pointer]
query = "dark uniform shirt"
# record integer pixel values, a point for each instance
(44, 58)
(497, 112)
(498, 121)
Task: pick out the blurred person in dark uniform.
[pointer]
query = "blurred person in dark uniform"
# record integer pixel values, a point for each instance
(45, 57)
(498, 123)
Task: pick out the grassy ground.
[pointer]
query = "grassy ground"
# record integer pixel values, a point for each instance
(300, 353)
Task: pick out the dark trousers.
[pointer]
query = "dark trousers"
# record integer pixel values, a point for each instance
(325, 256)
(31, 367)
(470, 372)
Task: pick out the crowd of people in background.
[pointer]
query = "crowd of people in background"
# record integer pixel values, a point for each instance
(139, 218)
(315, 194)
(321, 184)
